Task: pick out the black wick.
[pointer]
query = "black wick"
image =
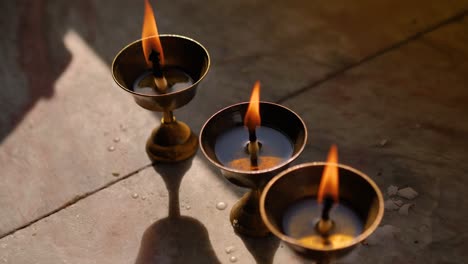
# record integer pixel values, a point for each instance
(157, 68)
(325, 224)
(252, 135)
(327, 205)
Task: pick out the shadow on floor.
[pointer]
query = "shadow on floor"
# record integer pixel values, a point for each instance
(176, 238)
(39, 51)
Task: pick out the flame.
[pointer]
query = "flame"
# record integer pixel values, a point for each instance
(252, 117)
(329, 183)
(150, 36)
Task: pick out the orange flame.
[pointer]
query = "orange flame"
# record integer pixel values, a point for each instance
(252, 117)
(150, 36)
(329, 184)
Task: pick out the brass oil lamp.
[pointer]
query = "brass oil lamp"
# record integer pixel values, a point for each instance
(162, 73)
(250, 143)
(319, 218)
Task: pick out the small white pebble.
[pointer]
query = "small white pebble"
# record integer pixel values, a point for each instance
(111, 148)
(404, 209)
(135, 195)
(233, 259)
(392, 190)
(390, 205)
(407, 193)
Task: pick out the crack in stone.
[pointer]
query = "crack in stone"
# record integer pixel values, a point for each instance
(74, 200)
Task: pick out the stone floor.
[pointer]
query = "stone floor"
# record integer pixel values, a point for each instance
(385, 80)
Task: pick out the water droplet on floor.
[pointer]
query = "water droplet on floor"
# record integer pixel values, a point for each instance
(143, 198)
(111, 148)
(116, 139)
(135, 195)
(233, 259)
(221, 206)
(187, 207)
(229, 249)
(122, 127)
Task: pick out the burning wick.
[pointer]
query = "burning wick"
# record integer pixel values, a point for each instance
(253, 147)
(325, 224)
(152, 48)
(251, 121)
(328, 192)
(159, 79)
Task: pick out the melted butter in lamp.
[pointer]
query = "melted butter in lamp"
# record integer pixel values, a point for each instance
(300, 222)
(230, 148)
(333, 241)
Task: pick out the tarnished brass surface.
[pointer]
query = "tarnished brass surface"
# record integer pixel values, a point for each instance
(173, 140)
(246, 210)
(245, 216)
(301, 181)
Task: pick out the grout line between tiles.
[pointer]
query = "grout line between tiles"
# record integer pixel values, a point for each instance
(75, 200)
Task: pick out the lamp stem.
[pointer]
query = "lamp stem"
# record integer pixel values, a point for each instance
(168, 117)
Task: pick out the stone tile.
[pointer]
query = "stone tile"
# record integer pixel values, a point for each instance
(61, 110)
(416, 99)
(142, 219)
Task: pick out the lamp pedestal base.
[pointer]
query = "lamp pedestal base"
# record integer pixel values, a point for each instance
(171, 142)
(245, 216)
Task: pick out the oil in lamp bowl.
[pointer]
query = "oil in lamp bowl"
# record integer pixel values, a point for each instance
(301, 182)
(173, 140)
(245, 215)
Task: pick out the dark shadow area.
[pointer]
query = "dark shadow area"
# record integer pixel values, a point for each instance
(176, 238)
(262, 249)
(39, 52)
